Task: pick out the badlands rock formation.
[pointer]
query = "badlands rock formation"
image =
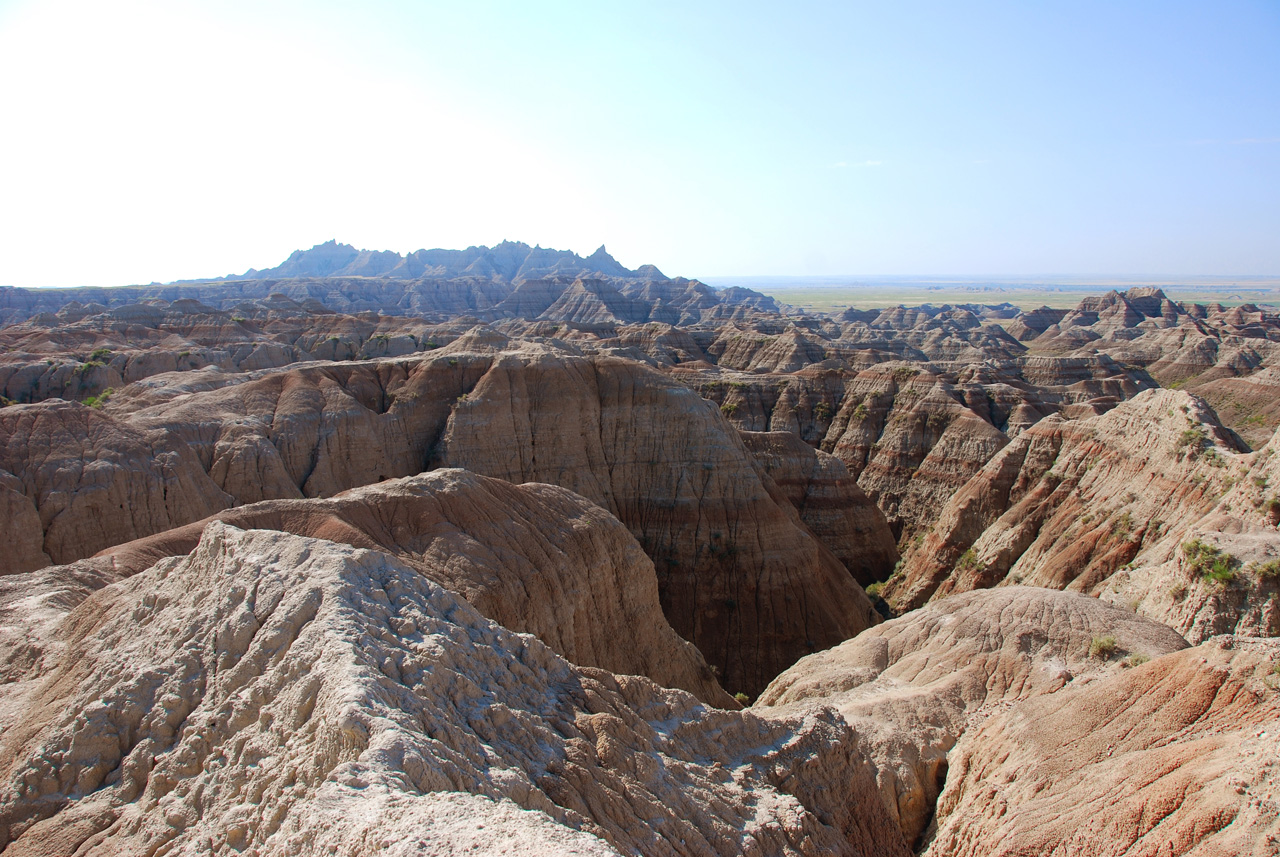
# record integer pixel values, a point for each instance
(275, 694)
(740, 574)
(1071, 501)
(913, 686)
(534, 558)
(1176, 756)
(304, 486)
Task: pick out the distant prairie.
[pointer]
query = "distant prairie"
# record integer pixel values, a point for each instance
(827, 293)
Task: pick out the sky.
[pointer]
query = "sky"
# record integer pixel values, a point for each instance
(153, 141)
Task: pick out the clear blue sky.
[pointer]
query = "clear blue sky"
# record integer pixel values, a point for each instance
(156, 140)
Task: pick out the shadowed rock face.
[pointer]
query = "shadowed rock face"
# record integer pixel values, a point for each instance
(912, 686)
(830, 503)
(1177, 756)
(353, 701)
(534, 558)
(75, 481)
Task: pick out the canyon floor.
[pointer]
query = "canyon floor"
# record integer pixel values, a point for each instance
(511, 551)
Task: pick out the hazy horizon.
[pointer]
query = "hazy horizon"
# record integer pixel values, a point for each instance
(152, 141)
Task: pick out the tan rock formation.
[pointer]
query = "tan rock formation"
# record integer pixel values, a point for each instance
(830, 503)
(1176, 756)
(289, 695)
(1070, 502)
(534, 558)
(739, 574)
(79, 481)
(913, 686)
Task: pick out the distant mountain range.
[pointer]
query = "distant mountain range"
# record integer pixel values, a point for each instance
(508, 262)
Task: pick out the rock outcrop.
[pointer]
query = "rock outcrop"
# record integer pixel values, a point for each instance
(76, 481)
(1070, 502)
(830, 503)
(288, 695)
(913, 686)
(1175, 756)
(534, 558)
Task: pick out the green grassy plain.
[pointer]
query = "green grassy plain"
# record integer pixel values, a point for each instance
(811, 296)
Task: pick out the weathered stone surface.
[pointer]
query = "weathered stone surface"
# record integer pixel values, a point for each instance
(1176, 756)
(913, 686)
(830, 503)
(290, 695)
(1070, 502)
(79, 481)
(534, 558)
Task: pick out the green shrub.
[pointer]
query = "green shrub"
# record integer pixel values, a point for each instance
(1103, 647)
(742, 699)
(968, 561)
(1209, 562)
(99, 400)
(1269, 571)
(874, 589)
(822, 412)
(1122, 525)
(1135, 660)
(729, 409)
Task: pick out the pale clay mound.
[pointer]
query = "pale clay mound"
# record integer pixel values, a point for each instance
(1177, 756)
(534, 558)
(912, 686)
(274, 694)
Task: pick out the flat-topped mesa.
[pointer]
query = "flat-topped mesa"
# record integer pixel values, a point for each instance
(279, 694)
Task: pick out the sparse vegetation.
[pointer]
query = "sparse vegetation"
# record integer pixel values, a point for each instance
(822, 412)
(102, 355)
(968, 561)
(99, 400)
(742, 699)
(1178, 591)
(860, 412)
(1122, 525)
(729, 409)
(1209, 562)
(1103, 647)
(873, 590)
(1135, 660)
(1268, 571)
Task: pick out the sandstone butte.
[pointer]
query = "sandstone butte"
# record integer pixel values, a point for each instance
(417, 542)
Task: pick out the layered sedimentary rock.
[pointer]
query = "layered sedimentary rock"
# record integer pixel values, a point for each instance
(740, 574)
(534, 558)
(76, 481)
(1070, 502)
(913, 686)
(1175, 756)
(830, 503)
(289, 695)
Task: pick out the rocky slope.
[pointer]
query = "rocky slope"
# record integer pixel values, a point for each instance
(277, 694)
(1176, 756)
(534, 558)
(739, 573)
(1070, 502)
(914, 685)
